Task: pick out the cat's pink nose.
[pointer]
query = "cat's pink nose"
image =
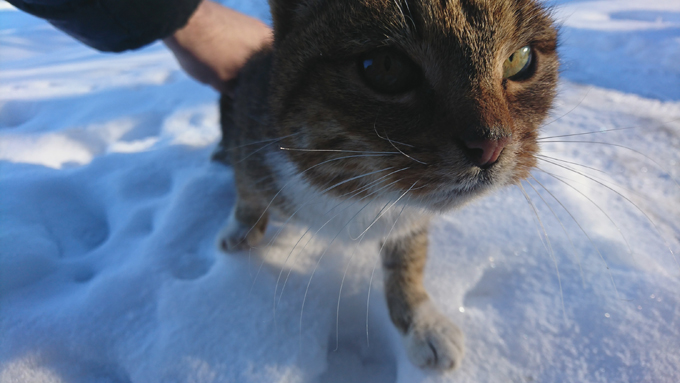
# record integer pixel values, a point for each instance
(486, 152)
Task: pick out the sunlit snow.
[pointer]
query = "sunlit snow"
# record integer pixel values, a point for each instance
(109, 207)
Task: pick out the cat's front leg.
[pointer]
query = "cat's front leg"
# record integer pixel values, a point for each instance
(431, 340)
(244, 228)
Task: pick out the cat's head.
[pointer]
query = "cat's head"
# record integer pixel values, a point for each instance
(439, 97)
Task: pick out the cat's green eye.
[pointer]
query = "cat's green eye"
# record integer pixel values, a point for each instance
(388, 71)
(517, 66)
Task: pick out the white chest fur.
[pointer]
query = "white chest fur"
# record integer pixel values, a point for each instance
(375, 215)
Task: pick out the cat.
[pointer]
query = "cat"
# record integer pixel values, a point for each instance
(398, 109)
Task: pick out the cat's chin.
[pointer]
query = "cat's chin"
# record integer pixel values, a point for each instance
(440, 201)
(446, 197)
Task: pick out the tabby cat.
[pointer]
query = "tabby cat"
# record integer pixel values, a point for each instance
(384, 113)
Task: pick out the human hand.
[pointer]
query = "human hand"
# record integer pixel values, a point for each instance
(216, 43)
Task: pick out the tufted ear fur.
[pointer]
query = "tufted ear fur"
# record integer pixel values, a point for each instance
(285, 13)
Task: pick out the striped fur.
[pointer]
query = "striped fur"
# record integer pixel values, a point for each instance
(304, 129)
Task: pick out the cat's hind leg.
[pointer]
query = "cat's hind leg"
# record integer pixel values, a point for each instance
(431, 340)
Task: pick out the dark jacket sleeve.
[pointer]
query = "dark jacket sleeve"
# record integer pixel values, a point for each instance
(113, 25)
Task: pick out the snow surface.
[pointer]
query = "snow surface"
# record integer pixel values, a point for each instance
(109, 208)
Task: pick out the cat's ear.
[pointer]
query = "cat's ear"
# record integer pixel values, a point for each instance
(285, 13)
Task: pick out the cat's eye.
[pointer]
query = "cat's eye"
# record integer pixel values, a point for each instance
(388, 71)
(518, 65)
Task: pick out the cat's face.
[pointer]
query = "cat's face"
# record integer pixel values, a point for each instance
(442, 97)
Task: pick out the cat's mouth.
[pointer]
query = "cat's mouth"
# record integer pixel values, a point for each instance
(483, 173)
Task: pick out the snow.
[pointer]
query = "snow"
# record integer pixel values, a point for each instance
(109, 208)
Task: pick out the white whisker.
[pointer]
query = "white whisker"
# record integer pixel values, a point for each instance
(540, 156)
(293, 180)
(582, 134)
(378, 217)
(386, 138)
(327, 212)
(352, 179)
(656, 228)
(570, 110)
(256, 151)
(400, 151)
(630, 249)
(316, 266)
(551, 251)
(342, 283)
(322, 226)
(668, 173)
(598, 131)
(578, 260)
(370, 282)
(335, 151)
(408, 8)
(269, 140)
(606, 265)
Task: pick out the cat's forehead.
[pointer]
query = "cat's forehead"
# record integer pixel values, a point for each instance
(449, 15)
(454, 42)
(493, 18)
(346, 25)
(464, 20)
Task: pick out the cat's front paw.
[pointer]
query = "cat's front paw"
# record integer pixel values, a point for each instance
(433, 341)
(237, 236)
